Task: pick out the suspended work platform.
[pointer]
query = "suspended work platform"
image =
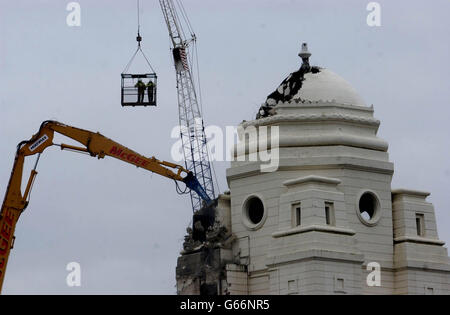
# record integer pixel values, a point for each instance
(139, 89)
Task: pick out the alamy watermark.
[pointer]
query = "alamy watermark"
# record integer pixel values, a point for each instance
(74, 17)
(229, 144)
(73, 279)
(374, 277)
(374, 17)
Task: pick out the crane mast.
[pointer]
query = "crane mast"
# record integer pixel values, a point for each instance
(193, 135)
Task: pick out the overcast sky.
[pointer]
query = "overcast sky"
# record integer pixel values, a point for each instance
(125, 226)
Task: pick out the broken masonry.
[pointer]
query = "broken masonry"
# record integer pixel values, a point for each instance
(290, 86)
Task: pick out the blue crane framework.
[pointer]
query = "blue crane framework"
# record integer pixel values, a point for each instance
(194, 141)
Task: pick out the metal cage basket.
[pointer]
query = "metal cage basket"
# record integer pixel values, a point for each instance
(139, 89)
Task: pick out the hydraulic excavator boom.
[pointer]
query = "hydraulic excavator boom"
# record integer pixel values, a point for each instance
(94, 144)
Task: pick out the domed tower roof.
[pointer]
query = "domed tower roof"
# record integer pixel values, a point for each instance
(327, 86)
(311, 85)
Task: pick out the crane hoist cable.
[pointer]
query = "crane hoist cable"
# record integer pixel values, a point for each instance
(138, 16)
(185, 18)
(139, 40)
(134, 91)
(139, 49)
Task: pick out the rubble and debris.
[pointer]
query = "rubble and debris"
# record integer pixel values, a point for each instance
(217, 236)
(189, 244)
(201, 266)
(290, 87)
(202, 221)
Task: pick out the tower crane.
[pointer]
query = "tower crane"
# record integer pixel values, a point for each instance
(193, 135)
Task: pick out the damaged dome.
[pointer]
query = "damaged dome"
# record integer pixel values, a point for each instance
(311, 85)
(327, 86)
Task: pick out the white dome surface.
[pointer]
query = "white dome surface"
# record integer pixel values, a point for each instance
(327, 86)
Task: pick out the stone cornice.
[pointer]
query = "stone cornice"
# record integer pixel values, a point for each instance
(326, 139)
(412, 264)
(290, 164)
(418, 240)
(312, 179)
(299, 103)
(319, 118)
(313, 228)
(273, 261)
(414, 193)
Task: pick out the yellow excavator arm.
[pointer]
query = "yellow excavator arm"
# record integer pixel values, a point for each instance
(94, 144)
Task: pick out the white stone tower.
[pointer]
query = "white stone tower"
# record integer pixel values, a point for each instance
(327, 218)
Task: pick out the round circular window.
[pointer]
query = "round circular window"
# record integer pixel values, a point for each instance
(369, 209)
(254, 214)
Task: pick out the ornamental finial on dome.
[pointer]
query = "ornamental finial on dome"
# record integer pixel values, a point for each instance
(305, 54)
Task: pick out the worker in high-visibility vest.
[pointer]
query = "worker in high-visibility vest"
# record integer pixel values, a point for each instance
(141, 86)
(150, 91)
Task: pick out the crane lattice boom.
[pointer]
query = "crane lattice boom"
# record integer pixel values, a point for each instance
(193, 135)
